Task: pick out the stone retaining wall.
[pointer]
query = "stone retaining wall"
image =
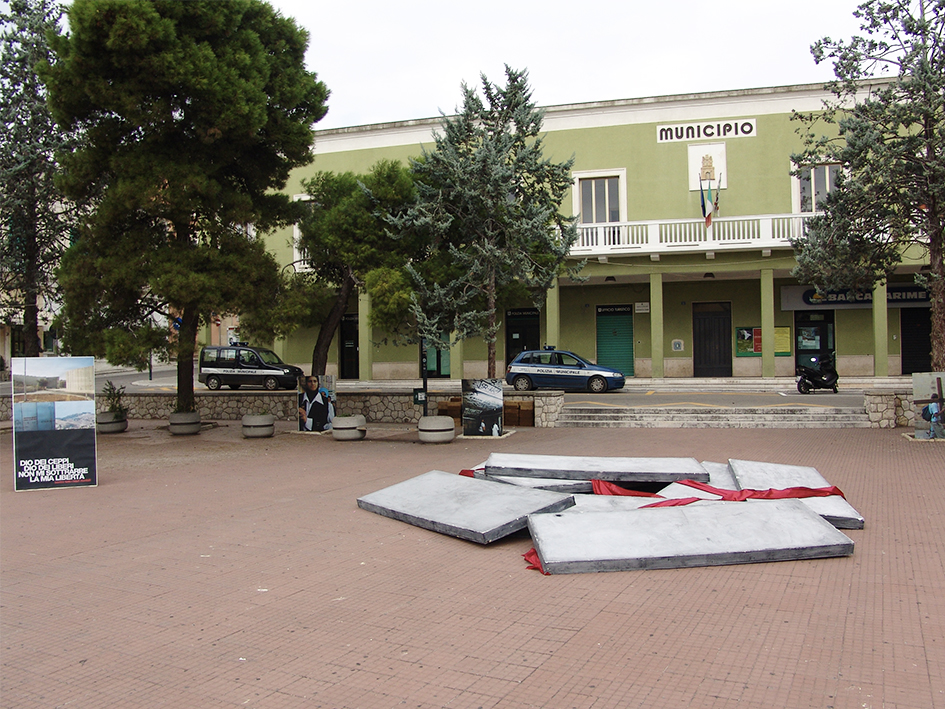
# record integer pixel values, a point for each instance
(398, 407)
(376, 406)
(889, 409)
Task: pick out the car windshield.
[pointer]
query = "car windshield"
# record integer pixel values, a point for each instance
(269, 357)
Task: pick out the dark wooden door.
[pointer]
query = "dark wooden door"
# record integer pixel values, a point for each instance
(712, 339)
(915, 332)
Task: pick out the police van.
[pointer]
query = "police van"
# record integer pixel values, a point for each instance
(238, 364)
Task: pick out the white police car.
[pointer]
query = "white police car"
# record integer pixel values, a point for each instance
(558, 369)
(238, 364)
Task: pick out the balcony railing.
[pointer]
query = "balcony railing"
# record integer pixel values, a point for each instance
(689, 235)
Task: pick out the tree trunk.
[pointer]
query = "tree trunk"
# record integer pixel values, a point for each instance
(30, 292)
(330, 326)
(186, 346)
(936, 287)
(490, 307)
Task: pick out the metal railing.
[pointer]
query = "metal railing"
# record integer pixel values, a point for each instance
(689, 235)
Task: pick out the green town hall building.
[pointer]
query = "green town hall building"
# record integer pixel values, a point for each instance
(666, 294)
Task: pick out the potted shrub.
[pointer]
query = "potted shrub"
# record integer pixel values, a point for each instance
(184, 423)
(114, 419)
(262, 425)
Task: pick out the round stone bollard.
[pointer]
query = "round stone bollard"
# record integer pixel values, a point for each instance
(348, 428)
(258, 425)
(436, 429)
(185, 423)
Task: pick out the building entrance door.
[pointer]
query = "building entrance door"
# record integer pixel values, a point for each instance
(915, 337)
(814, 337)
(712, 339)
(348, 365)
(522, 332)
(615, 337)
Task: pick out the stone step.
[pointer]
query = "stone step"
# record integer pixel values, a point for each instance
(677, 417)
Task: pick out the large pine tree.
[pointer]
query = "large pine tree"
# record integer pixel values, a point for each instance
(35, 219)
(890, 143)
(194, 112)
(488, 201)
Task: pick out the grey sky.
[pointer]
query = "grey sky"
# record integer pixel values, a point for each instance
(387, 61)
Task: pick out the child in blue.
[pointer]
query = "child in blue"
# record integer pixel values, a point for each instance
(936, 430)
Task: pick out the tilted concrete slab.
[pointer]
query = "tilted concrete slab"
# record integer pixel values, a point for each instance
(479, 511)
(701, 534)
(569, 486)
(757, 475)
(609, 503)
(600, 468)
(720, 475)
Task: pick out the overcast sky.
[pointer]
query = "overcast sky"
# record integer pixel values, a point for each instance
(389, 61)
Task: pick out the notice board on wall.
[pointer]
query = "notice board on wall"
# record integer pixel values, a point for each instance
(748, 341)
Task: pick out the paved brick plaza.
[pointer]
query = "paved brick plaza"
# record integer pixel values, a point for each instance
(220, 572)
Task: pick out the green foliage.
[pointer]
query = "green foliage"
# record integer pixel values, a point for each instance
(194, 114)
(35, 219)
(299, 300)
(488, 209)
(886, 129)
(344, 235)
(114, 399)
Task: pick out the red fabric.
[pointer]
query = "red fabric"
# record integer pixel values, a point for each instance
(602, 487)
(531, 556)
(677, 502)
(467, 473)
(770, 494)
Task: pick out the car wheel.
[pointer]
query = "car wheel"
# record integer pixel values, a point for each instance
(213, 383)
(804, 386)
(597, 385)
(234, 386)
(522, 383)
(271, 383)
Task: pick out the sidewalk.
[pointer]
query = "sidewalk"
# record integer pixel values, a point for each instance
(216, 571)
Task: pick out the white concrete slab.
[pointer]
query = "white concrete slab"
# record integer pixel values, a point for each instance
(701, 534)
(720, 475)
(608, 503)
(678, 491)
(479, 511)
(569, 486)
(600, 468)
(757, 475)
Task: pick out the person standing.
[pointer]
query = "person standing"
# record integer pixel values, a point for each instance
(315, 407)
(936, 429)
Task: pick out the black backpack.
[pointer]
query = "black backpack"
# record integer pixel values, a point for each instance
(926, 413)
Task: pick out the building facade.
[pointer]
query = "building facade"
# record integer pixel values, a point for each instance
(667, 292)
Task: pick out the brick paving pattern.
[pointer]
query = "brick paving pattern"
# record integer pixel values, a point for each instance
(218, 572)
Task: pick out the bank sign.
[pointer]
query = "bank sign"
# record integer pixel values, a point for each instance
(706, 130)
(807, 298)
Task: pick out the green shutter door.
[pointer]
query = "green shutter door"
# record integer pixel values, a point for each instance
(615, 337)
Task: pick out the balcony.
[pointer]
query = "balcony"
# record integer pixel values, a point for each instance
(768, 231)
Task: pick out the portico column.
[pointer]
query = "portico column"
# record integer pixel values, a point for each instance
(365, 346)
(656, 324)
(553, 315)
(457, 364)
(880, 332)
(767, 323)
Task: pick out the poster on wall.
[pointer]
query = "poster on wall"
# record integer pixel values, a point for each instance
(317, 401)
(924, 384)
(53, 422)
(482, 407)
(748, 341)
